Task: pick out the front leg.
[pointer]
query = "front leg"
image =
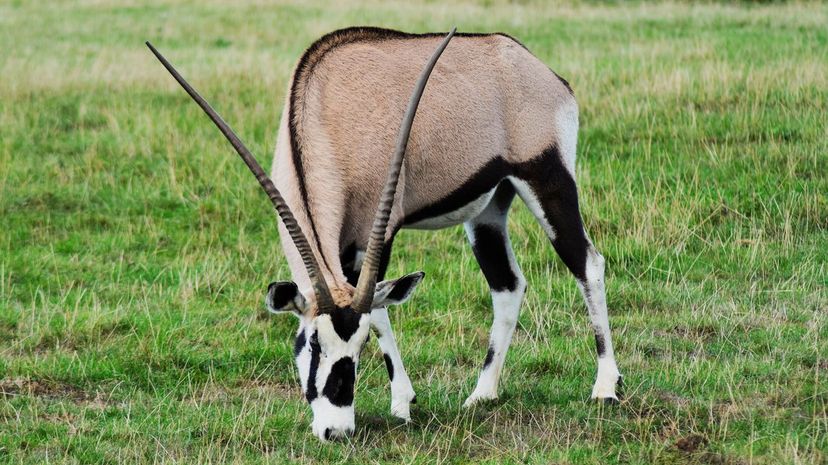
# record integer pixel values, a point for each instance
(402, 393)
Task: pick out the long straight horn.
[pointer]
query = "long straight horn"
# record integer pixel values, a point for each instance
(323, 294)
(364, 295)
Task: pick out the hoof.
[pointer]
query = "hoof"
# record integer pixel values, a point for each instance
(401, 406)
(611, 398)
(401, 411)
(477, 399)
(606, 384)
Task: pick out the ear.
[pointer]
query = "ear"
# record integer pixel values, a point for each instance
(284, 296)
(396, 291)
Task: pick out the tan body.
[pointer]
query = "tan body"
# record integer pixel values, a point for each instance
(488, 98)
(494, 123)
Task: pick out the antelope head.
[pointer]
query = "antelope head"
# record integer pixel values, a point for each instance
(332, 331)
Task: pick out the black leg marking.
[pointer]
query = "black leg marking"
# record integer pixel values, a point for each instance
(557, 194)
(310, 392)
(389, 366)
(491, 242)
(503, 196)
(489, 357)
(339, 388)
(599, 345)
(492, 254)
(348, 261)
(299, 344)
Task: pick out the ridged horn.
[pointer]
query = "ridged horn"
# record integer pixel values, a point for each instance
(323, 294)
(364, 295)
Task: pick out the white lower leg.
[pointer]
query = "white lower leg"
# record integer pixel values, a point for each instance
(592, 288)
(595, 296)
(402, 393)
(506, 309)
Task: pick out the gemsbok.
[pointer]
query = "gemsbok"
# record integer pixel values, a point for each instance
(494, 123)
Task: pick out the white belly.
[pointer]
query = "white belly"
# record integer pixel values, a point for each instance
(459, 216)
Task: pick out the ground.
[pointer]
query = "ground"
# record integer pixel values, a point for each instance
(135, 248)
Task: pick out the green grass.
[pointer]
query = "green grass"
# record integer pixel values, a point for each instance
(135, 247)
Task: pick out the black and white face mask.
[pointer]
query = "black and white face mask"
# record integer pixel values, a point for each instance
(328, 347)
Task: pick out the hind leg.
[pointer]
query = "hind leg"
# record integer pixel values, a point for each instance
(549, 191)
(489, 236)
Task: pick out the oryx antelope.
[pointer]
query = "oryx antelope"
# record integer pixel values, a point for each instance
(494, 123)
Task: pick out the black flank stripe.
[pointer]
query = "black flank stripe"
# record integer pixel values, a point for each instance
(558, 196)
(484, 180)
(491, 251)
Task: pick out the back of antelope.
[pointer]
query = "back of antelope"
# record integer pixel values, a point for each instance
(494, 123)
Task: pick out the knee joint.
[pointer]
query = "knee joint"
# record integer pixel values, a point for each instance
(520, 284)
(594, 265)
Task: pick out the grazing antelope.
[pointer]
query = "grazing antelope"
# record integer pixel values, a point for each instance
(496, 122)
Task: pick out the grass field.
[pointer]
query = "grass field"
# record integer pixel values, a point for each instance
(135, 248)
